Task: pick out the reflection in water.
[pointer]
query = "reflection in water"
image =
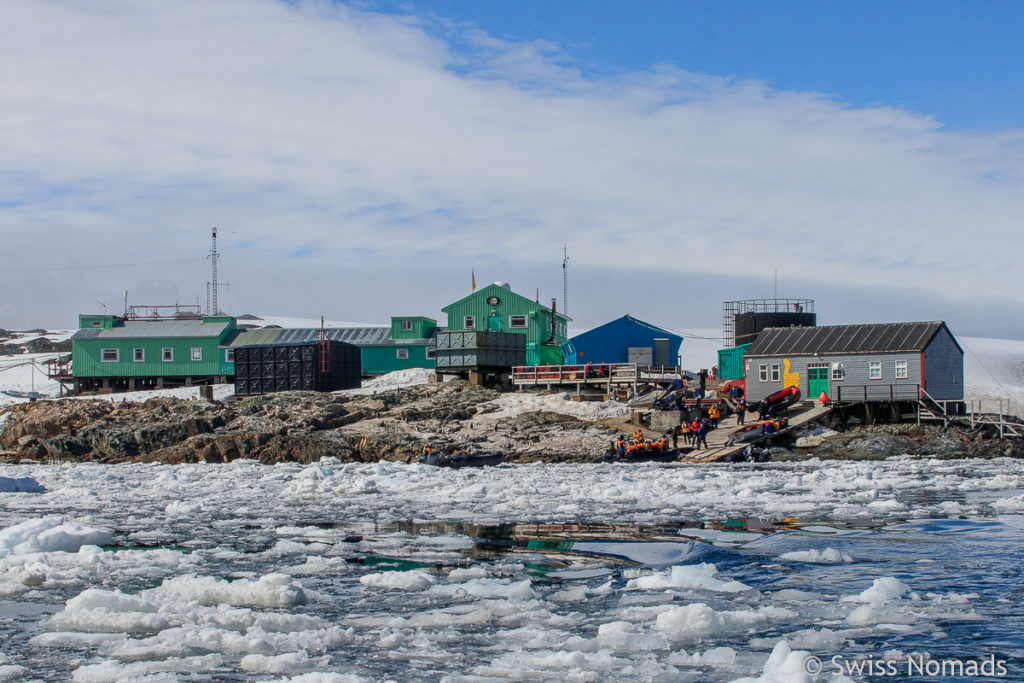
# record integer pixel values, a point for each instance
(550, 548)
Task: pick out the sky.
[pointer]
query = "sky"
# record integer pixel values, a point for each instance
(362, 160)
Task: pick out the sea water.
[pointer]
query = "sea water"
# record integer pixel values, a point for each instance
(905, 569)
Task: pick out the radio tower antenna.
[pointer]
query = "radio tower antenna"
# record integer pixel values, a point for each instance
(213, 281)
(565, 280)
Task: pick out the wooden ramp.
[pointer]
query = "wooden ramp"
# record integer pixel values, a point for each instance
(717, 438)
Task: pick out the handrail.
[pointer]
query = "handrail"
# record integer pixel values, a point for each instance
(875, 391)
(560, 374)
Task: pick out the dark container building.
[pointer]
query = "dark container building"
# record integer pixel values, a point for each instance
(308, 366)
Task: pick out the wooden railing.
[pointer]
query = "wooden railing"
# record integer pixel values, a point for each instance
(572, 374)
(876, 391)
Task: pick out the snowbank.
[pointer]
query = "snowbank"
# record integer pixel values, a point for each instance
(512, 405)
(398, 379)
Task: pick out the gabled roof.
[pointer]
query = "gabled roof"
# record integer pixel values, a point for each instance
(504, 293)
(834, 339)
(635, 321)
(156, 329)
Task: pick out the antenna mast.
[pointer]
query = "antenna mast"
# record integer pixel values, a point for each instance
(565, 280)
(212, 305)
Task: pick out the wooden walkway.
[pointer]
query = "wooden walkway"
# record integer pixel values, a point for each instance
(799, 416)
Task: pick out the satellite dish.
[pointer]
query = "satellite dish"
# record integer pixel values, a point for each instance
(502, 283)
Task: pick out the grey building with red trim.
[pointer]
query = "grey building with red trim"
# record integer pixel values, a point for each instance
(884, 362)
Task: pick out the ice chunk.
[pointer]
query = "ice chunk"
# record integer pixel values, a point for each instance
(279, 664)
(111, 671)
(49, 534)
(405, 581)
(465, 574)
(180, 508)
(1009, 505)
(784, 665)
(318, 677)
(702, 576)
(699, 619)
(882, 591)
(272, 590)
(20, 485)
(826, 556)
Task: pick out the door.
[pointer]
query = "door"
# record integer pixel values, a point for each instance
(494, 322)
(661, 352)
(817, 380)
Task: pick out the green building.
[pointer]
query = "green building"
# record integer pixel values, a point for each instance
(116, 353)
(498, 309)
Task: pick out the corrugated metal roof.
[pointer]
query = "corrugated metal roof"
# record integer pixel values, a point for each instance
(250, 337)
(150, 329)
(359, 336)
(876, 338)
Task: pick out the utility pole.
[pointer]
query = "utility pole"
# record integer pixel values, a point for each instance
(213, 280)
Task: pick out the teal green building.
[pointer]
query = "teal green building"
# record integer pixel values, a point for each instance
(498, 309)
(111, 352)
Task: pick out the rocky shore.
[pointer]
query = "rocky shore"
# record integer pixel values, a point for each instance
(454, 417)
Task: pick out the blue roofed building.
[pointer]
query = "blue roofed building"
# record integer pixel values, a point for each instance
(626, 340)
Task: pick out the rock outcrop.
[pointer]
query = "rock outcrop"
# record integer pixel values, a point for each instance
(454, 417)
(294, 426)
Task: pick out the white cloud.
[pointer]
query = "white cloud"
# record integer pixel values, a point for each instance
(130, 127)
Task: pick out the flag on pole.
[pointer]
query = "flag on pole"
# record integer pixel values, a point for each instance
(474, 280)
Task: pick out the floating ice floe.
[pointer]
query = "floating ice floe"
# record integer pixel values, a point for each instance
(20, 485)
(699, 576)
(785, 665)
(49, 534)
(826, 556)
(191, 624)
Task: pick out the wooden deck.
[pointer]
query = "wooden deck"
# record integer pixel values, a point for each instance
(798, 415)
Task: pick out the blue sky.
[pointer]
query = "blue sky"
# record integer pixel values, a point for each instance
(960, 62)
(360, 160)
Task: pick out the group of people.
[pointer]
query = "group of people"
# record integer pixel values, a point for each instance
(636, 444)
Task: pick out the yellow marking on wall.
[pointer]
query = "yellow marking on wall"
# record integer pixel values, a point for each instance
(789, 379)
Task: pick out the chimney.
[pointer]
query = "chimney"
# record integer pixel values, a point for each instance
(554, 322)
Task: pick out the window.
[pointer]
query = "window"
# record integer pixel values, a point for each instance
(469, 322)
(110, 355)
(431, 352)
(229, 355)
(776, 372)
(97, 323)
(901, 369)
(517, 321)
(875, 369)
(837, 372)
(167, 355)
(402, 354)
(138, 355)
(406, 326)
(197, 353)
(762, 374)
